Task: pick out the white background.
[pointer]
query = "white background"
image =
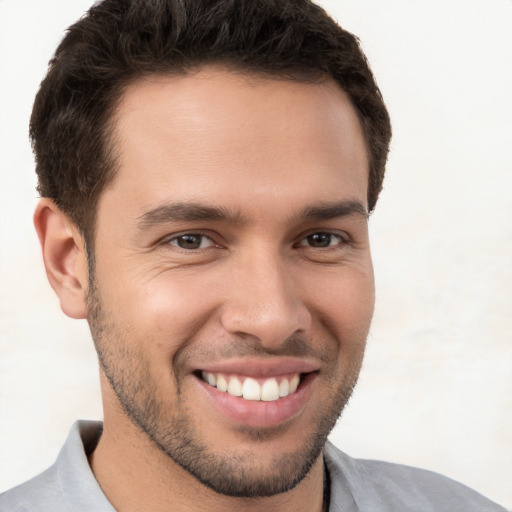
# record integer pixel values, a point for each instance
(436, 388)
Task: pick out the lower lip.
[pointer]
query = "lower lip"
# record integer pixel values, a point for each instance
(257, 413)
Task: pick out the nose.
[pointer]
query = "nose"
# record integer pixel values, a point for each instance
(264, 301)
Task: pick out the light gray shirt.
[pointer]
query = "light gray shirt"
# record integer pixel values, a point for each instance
(355, 485)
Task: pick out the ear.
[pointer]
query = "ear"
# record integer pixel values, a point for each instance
(65, 257)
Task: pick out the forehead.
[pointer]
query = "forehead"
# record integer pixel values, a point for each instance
(214, 132)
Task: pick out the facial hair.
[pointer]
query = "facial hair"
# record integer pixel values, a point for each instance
(239, 473)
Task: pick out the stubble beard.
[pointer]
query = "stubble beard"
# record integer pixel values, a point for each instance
(237, 474)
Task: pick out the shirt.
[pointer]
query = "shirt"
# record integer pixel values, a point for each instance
(355, 485)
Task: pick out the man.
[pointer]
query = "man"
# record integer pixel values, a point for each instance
(207, 170)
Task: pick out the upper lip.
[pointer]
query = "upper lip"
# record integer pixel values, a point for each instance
(262, 367)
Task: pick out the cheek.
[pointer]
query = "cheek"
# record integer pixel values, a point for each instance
(345, 304)
(172, 309)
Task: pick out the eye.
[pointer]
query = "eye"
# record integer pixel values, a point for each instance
(191, 241)
(321, 240)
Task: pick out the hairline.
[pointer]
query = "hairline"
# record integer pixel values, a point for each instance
(109, 128)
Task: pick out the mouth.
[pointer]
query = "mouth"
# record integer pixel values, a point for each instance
(254, 389)
(256, 393)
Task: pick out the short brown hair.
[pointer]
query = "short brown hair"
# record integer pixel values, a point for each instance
(118, 41)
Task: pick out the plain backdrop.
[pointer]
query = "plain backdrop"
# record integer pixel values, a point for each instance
(436, 387)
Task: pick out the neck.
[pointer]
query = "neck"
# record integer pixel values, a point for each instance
(136, 476)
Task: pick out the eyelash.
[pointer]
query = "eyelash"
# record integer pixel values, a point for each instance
(342, 240)
(201, 236)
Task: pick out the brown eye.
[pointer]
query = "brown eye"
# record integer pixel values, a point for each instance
(321, 240)
(191, 241)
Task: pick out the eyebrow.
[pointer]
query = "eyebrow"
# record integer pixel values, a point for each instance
(187, 212)
(326, 211)
(191, 212)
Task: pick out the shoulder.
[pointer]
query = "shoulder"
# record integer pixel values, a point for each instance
(68, 485)
(382, 486)
(41, 493)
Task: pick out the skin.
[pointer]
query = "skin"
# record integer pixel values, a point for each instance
(258, 288)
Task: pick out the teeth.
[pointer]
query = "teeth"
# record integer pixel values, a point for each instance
(235, 387)
(251, 389)
(284, 388)
(268, 391)
(222, 384)
(293, 384)
(211, 379)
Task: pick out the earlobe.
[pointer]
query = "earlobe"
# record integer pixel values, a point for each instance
(64, 256)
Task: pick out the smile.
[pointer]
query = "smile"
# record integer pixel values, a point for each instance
(248, 388)
(257, 393)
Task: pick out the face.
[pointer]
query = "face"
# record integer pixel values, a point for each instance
(233, 287)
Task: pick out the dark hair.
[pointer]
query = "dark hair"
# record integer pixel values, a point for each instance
(118, 41)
